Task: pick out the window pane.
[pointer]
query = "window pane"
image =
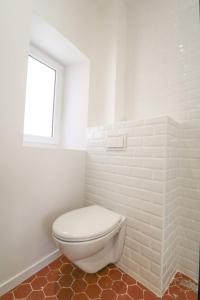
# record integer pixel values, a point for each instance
(40, 91)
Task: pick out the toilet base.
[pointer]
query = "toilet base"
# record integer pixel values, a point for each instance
(110, 253)
(98, 261)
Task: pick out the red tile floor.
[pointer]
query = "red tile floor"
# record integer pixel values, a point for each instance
(61, 280)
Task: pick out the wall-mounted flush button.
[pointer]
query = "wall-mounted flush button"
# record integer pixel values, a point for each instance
(116, 142)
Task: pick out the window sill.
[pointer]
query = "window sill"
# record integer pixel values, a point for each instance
(42, 142)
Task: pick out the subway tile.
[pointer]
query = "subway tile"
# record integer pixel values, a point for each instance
(150, 182)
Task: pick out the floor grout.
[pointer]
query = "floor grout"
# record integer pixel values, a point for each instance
(61, 280)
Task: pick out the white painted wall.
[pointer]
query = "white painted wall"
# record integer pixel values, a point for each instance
(75, 106)
(121, 61)
(113, 33)
(36, 185)
(74, 83)
(81, 21)
(153, 59)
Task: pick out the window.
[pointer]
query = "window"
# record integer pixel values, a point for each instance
(43, 97)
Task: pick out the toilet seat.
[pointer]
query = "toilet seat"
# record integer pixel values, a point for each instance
(85, 224)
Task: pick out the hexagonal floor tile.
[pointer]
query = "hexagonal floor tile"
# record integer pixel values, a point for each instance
(135, 292)
(119, 287)
(38, 283)
(115, 274)
(55, 264)
(44, 271)
(30, 279)
(51, 289)
(191, 295)
(108, 295)
(80, 296)
(105, 282)
(8, 296)
(128, 279)
(36, 295)
(93, 291)
(53, 275)
(66, 269)
(64, 259)
(124, 297)
(65, 294)
(77, 273)
(103, 272)
(22, 291)
(79, 285)
(91, 278)
(150, 296)
(167, 297)
(66, 280)
(61, 280)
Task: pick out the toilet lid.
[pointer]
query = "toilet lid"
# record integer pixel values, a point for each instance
(86, 223)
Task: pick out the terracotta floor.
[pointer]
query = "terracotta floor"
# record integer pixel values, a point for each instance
(63, 281)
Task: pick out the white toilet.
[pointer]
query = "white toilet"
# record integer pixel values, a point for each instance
(91, 237)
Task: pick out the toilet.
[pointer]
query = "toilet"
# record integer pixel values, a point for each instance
(90, 237)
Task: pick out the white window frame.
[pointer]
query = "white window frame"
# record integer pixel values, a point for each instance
(51, 63)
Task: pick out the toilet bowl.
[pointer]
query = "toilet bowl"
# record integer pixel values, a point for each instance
(91, 237)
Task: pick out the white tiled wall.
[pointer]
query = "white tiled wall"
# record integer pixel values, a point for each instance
(171, 231)
(133, 183)
(189, 92)
(190, 193)
(163, 64)
(154, 182)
